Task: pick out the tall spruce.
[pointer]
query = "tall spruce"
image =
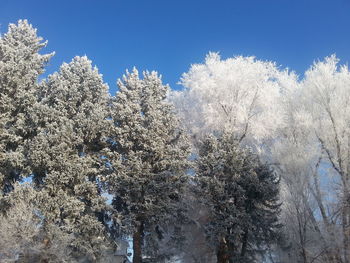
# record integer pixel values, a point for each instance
(65, 156)
(20, 67)
(241, 194)
(149, 160)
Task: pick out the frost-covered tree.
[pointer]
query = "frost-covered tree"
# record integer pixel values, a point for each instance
(241, 194)
(240, 94)
(148, 161)
(296, 161)
(20, 66)
(303, 238)
(23, 237)
(66, 155)
(326, 112)
(313, 158)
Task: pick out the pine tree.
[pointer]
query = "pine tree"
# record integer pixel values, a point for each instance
(148, 162)
(20, 67)
(65, 156)
(241, 194)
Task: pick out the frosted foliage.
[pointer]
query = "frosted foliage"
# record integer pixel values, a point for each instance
(326, 93)
(313, 155)
(150, 159)
(20, 66)
(65, 155)
(239, 94)
(22, 235)
(292, 149)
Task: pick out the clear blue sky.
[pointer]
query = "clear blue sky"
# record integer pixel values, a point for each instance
(168, 36)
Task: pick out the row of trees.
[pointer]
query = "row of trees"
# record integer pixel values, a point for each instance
(246, 164)
(65, 143)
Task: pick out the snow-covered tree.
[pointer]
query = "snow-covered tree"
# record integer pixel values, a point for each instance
(303, 238)
(20, 66)
(326, 102)
(23, 237)
(241, 194)
(313, 157)
(296, 160)
(149, 159)
(240, 94)
(66, 155)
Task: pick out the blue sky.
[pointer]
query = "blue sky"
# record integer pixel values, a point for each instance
(168, 36)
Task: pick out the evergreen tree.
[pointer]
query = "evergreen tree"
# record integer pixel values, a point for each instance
(241, 194)
(148, 161)
(20, 66)
(65, 156)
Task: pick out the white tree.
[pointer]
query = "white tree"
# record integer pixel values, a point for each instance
(22, 234)
(313, 154)
(20, 67)
(240, 94)
(325, 89)
(148, 163)
(66, 155)
(296, 160)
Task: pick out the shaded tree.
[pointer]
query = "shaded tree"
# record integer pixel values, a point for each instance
(242, 196)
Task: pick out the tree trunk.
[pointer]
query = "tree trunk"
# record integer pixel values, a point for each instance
(346, 228)
(222, 255)
(137, 244)
(244, 243)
